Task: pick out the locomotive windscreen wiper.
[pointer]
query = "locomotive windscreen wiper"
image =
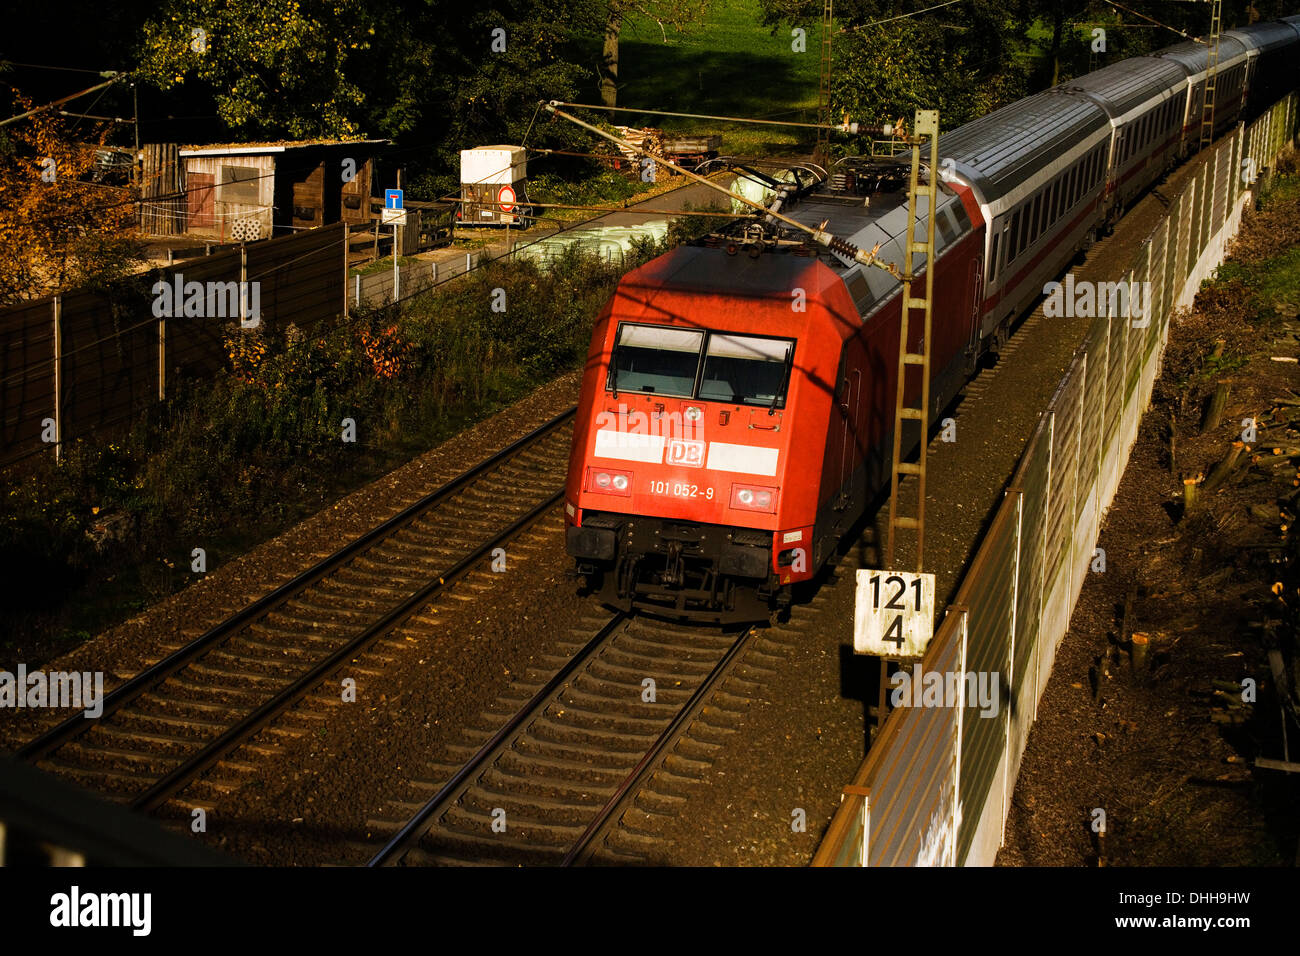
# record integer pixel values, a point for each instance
(785, 381)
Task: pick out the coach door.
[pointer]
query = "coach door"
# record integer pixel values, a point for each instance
(976, 285)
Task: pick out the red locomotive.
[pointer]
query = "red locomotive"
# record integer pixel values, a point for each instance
(735, 410)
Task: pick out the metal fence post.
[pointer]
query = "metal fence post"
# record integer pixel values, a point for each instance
(1042, 556)
(956, 748)
(243, 284)
(1007, 782)
(162, 358)
(58, 377)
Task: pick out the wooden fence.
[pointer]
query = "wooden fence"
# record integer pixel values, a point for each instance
(73, 364)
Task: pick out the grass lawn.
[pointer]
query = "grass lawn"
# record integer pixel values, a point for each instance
(727, 65)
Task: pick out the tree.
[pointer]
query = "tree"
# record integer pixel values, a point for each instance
(275, 68)
(962, 63)
(665, 13)
(57, 230)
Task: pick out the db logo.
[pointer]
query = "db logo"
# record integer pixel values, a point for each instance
(684, 452)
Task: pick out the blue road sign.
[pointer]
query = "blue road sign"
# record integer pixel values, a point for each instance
(392, 199)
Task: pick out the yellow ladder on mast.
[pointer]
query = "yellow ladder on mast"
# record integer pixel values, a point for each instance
(925, 133)
(1211, 76)
(821, 155)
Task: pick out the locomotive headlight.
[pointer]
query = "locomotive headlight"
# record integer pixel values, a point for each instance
(609, 482)
(694, 413)
(753, 498)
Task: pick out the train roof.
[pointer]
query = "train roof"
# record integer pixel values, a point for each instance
(998, 152)
(883, 220)
(1265, 37)
(670, 286)
(1195, 57)
(875, 215)
(1122, 86)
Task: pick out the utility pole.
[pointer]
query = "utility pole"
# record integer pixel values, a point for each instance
(824, 87)
(925, 133)
(1211, 75)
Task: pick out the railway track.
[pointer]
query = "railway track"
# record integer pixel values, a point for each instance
(560, 759)
(167, 726)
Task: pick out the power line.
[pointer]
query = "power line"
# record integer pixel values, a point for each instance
(42, 66)
(65, 99)
(904, 16)
(1181, 33)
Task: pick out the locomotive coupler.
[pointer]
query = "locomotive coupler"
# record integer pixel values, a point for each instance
(674, 568)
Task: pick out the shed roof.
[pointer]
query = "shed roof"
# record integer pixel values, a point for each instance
(280, 146)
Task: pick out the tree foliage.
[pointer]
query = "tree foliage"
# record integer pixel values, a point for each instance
(273, 67)
(58, 228)
(962, 64)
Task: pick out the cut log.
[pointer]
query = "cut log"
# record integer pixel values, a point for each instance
(1214, 412)
(1269, 515)
(1220, 472)
(1189, 495)
(1139, 645)
(1173, 450)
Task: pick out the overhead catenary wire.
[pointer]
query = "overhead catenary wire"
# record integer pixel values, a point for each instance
(722, 119)
(819, 234)
(64, 99)
(902, 16)
(1182, 33)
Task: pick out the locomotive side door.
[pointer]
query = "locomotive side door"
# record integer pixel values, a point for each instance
(850, 392)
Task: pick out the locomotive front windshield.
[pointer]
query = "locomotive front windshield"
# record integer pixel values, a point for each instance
(745, 370)
(713, 366)
(652, 358)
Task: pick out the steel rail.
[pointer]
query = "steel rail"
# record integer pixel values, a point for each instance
(153, 675)
(411, 832)
(585, 848)
(182, 774)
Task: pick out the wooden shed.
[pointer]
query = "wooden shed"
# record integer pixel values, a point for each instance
(258, 190)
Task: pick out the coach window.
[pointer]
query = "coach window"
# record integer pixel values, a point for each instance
(656, 359)
(993, 257)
